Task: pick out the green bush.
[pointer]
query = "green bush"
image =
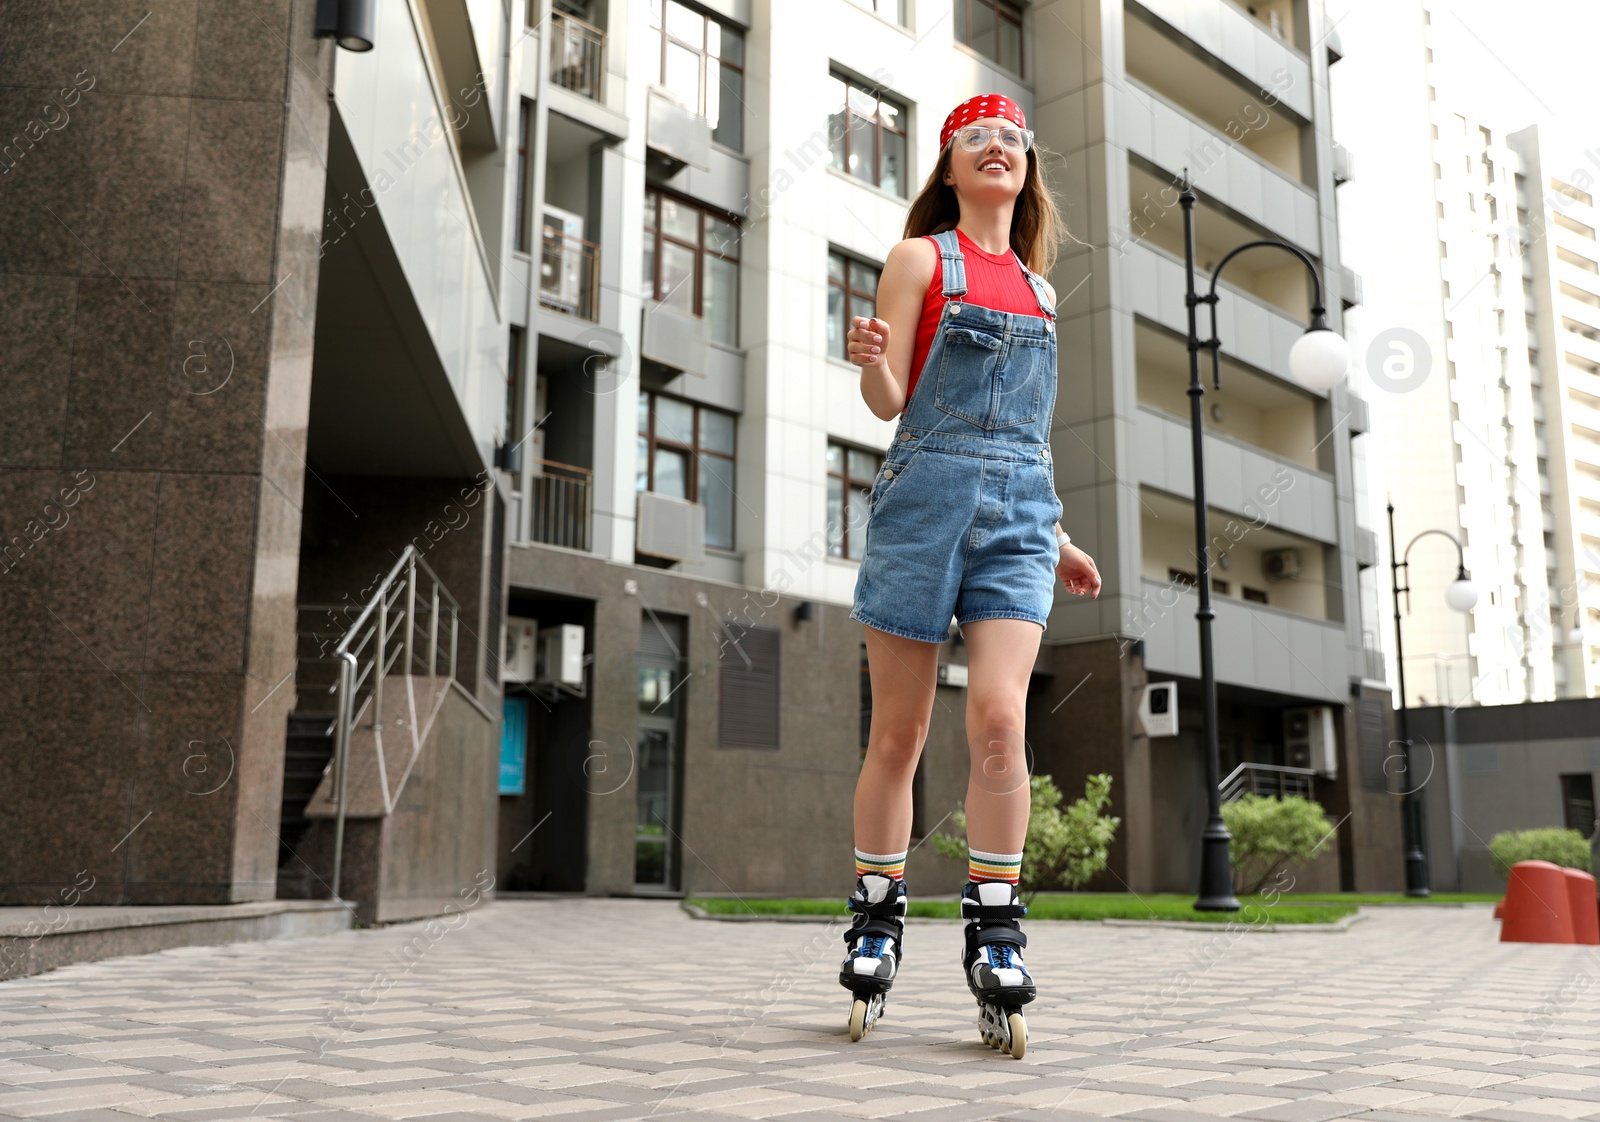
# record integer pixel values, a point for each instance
(1269, 833)
(1063, 848)
(1566, 848)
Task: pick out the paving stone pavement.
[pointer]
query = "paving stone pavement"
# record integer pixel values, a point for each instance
(611, 1009)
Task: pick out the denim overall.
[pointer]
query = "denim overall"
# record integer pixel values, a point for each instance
(961, 517)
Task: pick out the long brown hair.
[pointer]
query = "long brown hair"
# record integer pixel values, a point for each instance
(1037, 228)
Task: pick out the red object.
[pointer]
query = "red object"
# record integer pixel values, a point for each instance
(1537, 907)
(1585, 908)
(978, 107)
(1500, 908)
(993, 281)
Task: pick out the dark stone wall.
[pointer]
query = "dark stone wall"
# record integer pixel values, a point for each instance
(158, 284)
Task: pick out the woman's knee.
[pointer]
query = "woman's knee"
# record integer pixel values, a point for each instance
(995, 721)
(898, 750)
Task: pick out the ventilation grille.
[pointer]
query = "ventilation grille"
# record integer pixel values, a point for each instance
(748, 669)
(1374, 746)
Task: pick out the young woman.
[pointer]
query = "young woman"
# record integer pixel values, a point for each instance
(963, 523)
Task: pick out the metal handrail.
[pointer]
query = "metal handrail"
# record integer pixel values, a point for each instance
(557, 252)
(577, 56)
(384, 632)
(1243, 776)
(561, 502)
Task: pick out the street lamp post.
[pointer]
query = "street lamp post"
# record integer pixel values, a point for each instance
(1460, 595)
(1318, 360)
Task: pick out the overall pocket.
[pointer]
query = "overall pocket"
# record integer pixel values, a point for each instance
(966, 373)
(1019, 383)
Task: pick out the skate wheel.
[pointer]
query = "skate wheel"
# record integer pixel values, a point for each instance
(1019, 1035)
(858, 1019)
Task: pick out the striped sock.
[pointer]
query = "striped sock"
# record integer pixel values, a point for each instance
(993, 866)
(884, 864)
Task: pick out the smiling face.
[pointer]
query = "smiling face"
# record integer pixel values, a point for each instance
(991, 173)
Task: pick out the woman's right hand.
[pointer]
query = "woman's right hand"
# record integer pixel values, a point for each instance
(868, 340)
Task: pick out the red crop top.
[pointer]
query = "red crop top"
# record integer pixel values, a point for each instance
(993, 281)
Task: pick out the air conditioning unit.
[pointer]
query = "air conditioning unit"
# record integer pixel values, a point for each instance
(671, 527)
(521, 649)
(1308, 739)
(1158, 709)
(561, 655)
(1280, 564)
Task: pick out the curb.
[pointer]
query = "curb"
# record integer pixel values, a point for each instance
(1337, 927)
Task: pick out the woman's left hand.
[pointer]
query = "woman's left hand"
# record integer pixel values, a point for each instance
(1077, 571)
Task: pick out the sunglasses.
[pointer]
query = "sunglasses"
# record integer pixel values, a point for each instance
(975, 138)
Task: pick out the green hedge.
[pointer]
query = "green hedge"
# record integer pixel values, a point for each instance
(1566, 848)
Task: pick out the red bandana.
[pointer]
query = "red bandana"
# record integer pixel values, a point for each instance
(976, 108)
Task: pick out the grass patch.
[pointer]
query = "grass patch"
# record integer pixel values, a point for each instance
(1253, 911)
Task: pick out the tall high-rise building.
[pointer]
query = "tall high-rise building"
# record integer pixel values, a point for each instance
(1556, 222)
(1480, 288)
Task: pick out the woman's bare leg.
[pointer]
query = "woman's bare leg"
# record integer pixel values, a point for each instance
(1000, 657)
(903, 673)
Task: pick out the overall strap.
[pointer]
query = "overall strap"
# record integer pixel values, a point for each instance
(1036, 282)
(955, 267)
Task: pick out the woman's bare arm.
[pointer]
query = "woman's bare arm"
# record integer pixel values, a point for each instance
(883, 346)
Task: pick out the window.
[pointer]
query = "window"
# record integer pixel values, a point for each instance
(889, 9)
(993, 28)
(1220, 587)
(1254, 594)
(1577, 802)
(851, 472)
(524, 125)
(1183, 578)
(867, 133)
(686, 450)
(701, 62)
(691, 262)
(513, 385)
(852, 291)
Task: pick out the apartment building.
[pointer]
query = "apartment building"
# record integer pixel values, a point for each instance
(1560, 271)
(705, 191)
(1475, 336)
(474, 395)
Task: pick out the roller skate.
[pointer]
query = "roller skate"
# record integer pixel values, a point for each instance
(992, 959)
(874, 939)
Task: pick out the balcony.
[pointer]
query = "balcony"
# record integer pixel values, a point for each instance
(1272, 277)
(561, 504)
(1182, 112)
(1253, 331)
(569, 273)
(1252, 409)
(577, 56)
(1243, 45)
(1254, 645)
(1239, 479)
(1373, 665)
